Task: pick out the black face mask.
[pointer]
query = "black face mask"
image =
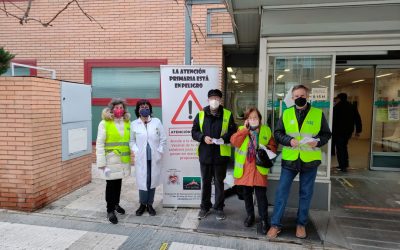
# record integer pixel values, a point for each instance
(300, 102)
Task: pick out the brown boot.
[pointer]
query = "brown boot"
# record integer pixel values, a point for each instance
(273, 232)
(301, 232)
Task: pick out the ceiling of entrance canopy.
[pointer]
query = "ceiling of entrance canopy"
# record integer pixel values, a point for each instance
(247, 16)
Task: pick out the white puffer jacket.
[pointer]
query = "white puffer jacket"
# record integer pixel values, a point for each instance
(114, 168)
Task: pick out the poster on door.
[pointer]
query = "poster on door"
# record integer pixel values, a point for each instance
(184, 91)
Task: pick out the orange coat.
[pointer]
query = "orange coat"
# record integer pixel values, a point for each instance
(251, 177)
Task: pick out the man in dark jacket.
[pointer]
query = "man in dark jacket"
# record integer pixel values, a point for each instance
(302, 130)
(345, 118)
(213, 128)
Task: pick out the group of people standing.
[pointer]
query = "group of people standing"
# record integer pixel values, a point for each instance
(118, 139)
(302, 131)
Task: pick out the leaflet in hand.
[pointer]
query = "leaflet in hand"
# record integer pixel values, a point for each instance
(219, 141)
(306, 140)
(270, 154)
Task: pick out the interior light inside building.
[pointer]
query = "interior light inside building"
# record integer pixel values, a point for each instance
(388, 74)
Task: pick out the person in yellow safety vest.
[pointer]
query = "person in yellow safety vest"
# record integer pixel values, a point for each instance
(113, 153)
(250, 178)
(302, 130)
(213, 128)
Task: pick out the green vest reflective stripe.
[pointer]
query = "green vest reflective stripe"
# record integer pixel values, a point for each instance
(117, 143)
(225, 149)
(241, 153)
(310, 128)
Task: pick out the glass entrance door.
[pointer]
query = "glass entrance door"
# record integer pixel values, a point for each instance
(287, 71)
(385, 143)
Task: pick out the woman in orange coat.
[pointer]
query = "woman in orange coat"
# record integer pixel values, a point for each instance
(248, 177)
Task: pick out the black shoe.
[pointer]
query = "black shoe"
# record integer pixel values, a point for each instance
(249, 221)
(141, 210)
(264, 227)
(341, 169)
(151, 210)
(112, 217)
(119, 209)
(203, 214)
(220, 215)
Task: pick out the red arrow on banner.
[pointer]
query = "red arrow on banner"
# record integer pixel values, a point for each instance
(196, 101)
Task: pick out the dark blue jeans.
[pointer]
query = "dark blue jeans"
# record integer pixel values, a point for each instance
(146, 197)
(307, 179)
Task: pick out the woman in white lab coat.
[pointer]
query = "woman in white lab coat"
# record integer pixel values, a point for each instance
(147, 142)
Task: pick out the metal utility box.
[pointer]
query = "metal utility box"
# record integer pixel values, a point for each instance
(76, 122)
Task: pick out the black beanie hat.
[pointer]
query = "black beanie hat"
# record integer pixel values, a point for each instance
(214, 92)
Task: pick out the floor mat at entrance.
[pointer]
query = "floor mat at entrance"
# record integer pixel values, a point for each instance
(233, 224)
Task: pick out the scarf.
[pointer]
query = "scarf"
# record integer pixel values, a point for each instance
(251, 152)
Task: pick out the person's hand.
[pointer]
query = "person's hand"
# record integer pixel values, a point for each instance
(312, 144)
(208, 140)
(294, 143)
(246, 123)
(357, 134)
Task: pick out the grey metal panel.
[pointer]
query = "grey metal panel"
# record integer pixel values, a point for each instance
(75, 102)
(332, 20)
(320, 198)
(241, 4)
(248, 26)
(65, 142)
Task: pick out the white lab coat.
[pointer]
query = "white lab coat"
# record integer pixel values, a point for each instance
(154, 134)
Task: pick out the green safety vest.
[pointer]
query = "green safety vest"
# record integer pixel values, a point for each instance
(117, 143)
(225, 149)
(241, 153)
(310, 128)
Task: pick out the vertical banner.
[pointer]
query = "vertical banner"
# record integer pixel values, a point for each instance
(184, 91)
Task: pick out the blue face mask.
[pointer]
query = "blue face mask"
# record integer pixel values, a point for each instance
(144, 112)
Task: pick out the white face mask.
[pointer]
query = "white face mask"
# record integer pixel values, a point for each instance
(214, 104)
(254, 123)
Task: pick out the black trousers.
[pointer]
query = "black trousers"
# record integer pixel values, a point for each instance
(218, 173)
(262, 201)
(342, 153)
(113, 193)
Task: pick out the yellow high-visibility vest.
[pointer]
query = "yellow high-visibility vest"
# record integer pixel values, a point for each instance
(225, 149)
(117, 143)
(310, 128)
(241, 153)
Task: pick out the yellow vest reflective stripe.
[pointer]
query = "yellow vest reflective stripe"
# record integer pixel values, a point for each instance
(117, 143)
(241, 153)
(310, 128)
(225, 149)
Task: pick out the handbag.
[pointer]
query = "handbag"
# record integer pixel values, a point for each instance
(262, 159)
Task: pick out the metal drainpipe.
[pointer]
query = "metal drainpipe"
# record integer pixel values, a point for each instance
(188, 34)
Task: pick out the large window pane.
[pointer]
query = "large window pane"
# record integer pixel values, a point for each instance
(96, 117)
(18, 71)
(386, 129)
(242, 90)
(137, 82)
(288, 71)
